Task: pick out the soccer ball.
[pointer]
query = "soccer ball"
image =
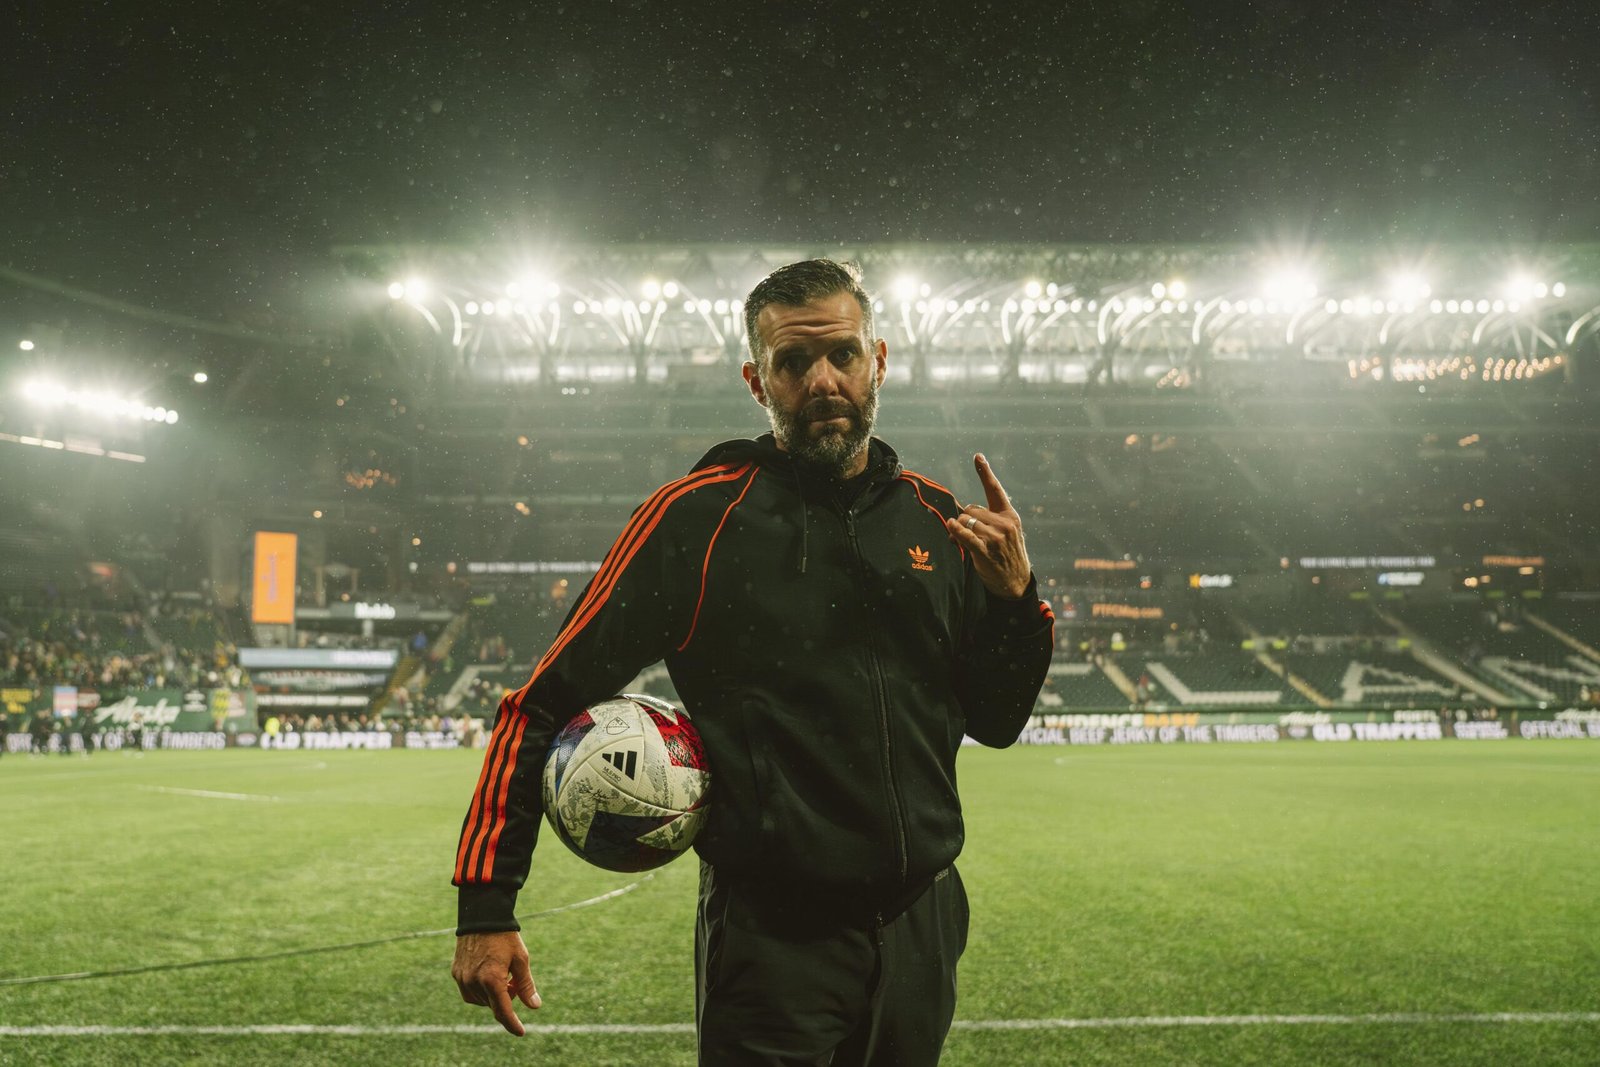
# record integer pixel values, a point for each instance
(625, 783)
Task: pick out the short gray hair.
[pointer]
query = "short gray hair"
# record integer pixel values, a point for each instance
(799, 284)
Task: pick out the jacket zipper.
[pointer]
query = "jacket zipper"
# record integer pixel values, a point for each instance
(881, 700)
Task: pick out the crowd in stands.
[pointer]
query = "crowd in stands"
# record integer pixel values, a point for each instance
(108, 651)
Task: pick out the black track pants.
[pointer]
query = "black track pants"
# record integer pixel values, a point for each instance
(778, 983)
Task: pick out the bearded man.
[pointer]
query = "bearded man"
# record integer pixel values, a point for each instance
(834, 624)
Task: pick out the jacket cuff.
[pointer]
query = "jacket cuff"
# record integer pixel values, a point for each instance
(486, 909)
(1017, 616)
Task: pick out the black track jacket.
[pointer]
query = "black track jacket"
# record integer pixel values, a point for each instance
(831, 657)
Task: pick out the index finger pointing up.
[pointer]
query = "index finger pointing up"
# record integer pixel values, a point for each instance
(998, 501)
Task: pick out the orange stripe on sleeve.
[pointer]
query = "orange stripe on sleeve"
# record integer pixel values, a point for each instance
(925, 480)
(498, 813)
(476, 812)
(480, 854)
(705, 567)
(915, 488)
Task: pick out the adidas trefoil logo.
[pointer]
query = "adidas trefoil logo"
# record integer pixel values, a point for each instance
(919, 559)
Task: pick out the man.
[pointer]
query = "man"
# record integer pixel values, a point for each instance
(834, 624)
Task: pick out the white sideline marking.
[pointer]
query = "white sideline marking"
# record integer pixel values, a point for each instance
(1126, 1022)
(208, 793)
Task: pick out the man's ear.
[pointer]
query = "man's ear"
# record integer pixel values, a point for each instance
(752, 378)
(880, 359)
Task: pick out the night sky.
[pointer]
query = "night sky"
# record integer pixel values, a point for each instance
(201, 157)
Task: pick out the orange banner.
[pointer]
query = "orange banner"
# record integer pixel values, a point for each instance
(274, 584)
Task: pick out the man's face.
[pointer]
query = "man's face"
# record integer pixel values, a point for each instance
(819, 381)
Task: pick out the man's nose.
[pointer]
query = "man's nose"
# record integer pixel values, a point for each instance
(823, 378)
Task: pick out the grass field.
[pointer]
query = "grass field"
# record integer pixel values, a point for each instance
(1290, 879)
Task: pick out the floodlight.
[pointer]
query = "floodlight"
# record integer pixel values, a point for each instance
(1521, 288)
(396, 290)
(1033, 289)
(612, 305)
(26, 345)
(1177, 289)
(1289, 285)
(414, 289)
(172, 418)
(1159, 289)
(513, 289)
(720, 307)
(651, 288)
(200, 377)
(1409, 287)
(1558, 289)
(905, 289)
(488, 307)
(669, 290)
(471, 307)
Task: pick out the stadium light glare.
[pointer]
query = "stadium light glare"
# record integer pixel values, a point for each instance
(669, 290)
(172, 418)
(1559, 289)
(1033, 289)
(488, 307)
(201, 377)
(651, 288)
(1177, 289)
(904, 288)
(1409, 287)
(397, 290)
(471, 307)
(416, 289)
(1292, 285)
(1159, 289)
(1521, 287)
(26, 345)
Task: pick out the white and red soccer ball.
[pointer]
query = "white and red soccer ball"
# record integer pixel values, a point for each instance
(625, 783)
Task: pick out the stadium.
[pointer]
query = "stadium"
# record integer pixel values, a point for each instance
(1271, 505)
(368, 381)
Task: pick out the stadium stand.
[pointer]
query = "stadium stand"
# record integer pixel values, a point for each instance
(1371, 678)
(1505, 650)
(1220, 678)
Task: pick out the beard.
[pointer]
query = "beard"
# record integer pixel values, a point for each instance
(820, 444)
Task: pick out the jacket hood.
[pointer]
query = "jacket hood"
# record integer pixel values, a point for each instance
(882, 461)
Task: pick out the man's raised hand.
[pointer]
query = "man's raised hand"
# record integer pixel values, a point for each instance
(993, 534)
(491, 969)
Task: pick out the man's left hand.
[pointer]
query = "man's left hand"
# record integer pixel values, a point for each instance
(993, 535)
